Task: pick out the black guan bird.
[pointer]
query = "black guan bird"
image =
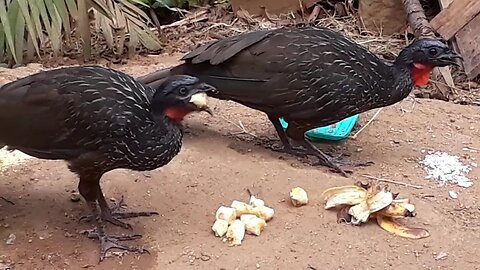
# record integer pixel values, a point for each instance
(310, 76)
(98, 120)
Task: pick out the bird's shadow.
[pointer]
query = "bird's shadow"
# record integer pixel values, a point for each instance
(52, 208)
(246, 143)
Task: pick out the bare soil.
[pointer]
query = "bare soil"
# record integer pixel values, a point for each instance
(216, 165)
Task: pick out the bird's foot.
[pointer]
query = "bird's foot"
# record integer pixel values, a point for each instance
(336, 162)
(114, 214)
(108, 242)
(331, 162)
(292, 150)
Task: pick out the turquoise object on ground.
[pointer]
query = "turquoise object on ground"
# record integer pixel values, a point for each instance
(334, 132)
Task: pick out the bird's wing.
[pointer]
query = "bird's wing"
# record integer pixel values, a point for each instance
(288, 72)
(65, 111)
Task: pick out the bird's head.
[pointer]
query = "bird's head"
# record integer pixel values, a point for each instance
(426, 53)
(180, 95)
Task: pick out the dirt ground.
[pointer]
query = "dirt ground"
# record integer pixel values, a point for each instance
(217, 164)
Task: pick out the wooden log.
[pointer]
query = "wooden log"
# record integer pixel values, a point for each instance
(416, 19)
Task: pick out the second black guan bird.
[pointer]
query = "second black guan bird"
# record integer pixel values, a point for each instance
(310, 76)
(98, 120)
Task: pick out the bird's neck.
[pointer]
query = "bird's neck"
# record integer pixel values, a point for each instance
(404, 76)
(163, 139)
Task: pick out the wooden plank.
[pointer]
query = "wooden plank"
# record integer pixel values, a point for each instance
(450, 20)
(468, 42)
(444, 3)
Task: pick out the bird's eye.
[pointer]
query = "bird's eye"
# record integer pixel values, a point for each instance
(433, 52)
(182, 91)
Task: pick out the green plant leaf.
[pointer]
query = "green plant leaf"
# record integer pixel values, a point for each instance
(2, 45)
(32, 32)
(19, 37)
(62, 10)
(72, 8)
(35, 15)
(56, 33)
(100, 6)
(4, 19)
(84, 29)
(140, 2)
(46, 22)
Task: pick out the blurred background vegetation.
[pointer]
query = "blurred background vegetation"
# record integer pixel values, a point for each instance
(54, 28)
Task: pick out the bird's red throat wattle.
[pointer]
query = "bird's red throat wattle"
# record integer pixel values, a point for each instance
(177, 113)
(421, 74)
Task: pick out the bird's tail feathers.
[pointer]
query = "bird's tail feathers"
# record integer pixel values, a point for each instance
(156, 78)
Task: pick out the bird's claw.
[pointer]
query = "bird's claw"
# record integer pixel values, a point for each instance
(335, 163)
(292, 150)
(331, 163)
(114, 214)
(108, 242)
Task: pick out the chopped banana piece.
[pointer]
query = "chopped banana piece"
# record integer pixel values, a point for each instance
(256, 202)
(236, 233)
(220, 227)
(226, 213)
(242, 208)
(253, 224)
(299, 196)
(264, 212)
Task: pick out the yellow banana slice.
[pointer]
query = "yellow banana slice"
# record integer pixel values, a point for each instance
(298, 196)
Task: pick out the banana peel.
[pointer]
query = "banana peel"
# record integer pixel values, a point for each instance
(360, 213)
(391, 225)
(359, 203)
(346, 195)
(398, 210)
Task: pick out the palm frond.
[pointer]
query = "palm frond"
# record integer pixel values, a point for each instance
(32, 27)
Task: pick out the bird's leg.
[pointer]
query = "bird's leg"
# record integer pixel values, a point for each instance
(323, 158)
(114, 214)
(286, 145)
(89, 188)
(297, 133)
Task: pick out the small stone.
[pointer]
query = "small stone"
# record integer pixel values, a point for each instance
(453, 194)
(75, 197)
(11, 239)
(441, 256)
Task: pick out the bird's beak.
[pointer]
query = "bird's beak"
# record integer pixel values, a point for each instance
(450, 58)
(200, 100)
